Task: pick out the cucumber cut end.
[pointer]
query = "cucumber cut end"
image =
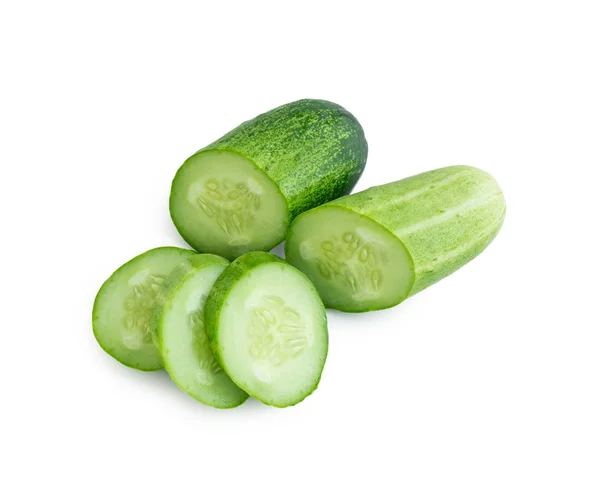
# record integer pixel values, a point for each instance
(272, 334)
(184, 344)
(222, 203)
(356, 264)
(124, 305)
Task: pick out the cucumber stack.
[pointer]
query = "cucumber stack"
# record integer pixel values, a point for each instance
(257, 326)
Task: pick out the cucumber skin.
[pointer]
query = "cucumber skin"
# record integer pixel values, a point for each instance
(467, 202)
(218, 296)
(107, 282)
(314, 150)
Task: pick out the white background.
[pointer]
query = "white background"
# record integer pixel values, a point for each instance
(485, 387)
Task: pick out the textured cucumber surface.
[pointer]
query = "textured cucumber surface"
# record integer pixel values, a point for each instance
(177, 327)
(312, 150)
(124, 304)
(440, 219)
(268, 329)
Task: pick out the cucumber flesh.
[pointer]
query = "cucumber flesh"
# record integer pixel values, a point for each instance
(178, 327)
(355, 263)
(124, 305)
(429, 225)
(268, 328)
(222, 203)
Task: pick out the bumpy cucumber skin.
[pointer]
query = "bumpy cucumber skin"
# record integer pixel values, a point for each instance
(168, 289)
(184, 253)
(313, 150)
(218, 296)
(444, 218)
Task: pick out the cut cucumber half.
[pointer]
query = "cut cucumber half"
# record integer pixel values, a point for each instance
(268, 328)
(124, 305)
(373, 249)
(240, 193)
(222, 203)
(178, 330)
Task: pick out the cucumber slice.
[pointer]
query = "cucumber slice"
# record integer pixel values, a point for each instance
(240, 193)
(373, 249)
(178, 330)
(268, 328)
(124, 305)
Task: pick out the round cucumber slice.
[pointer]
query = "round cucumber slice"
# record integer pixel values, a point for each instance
(356, 264)
(268, 328)
(178, 330)
(222, 203)
(124, 305)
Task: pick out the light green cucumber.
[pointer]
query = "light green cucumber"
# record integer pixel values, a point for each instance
(124, 305)
(239, 193)
(268, 328)
(373, 249)
(177, 328)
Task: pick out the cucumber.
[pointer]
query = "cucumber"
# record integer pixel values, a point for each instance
(268, 328)
(177, 328)
(123, 307)
(240, 193)
(373, 249)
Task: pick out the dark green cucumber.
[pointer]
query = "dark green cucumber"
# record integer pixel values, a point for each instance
(268, 328)
(124, 305)
(373, 249)
(240, 193)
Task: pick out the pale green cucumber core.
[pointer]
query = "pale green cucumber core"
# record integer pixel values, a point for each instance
(272, 334)
(186, 349)
(222, 203)
(351, 259)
